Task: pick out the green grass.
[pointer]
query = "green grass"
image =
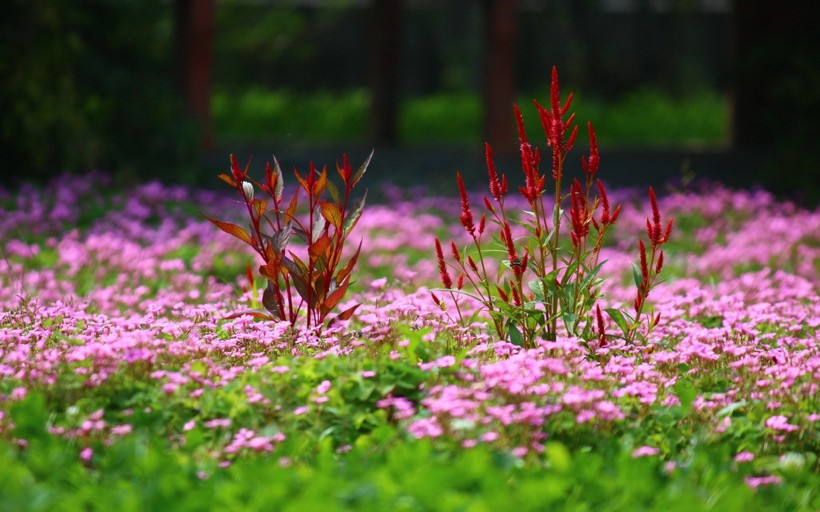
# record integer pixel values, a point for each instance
(644, 117)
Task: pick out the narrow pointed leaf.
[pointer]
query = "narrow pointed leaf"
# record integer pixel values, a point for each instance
(233, 230)
(618, 317)
(227, 179)
(636, 275)
(350, 264)
(355, 214)
(333, 190)
(294, 203)
(279, 187)
(281, 238)
(332, 213)
(319, 247)
(333, 298)
(362, 170)
(320, 184)
(318, 227)
(270, 301)
(302, 181)
(255, 313)
(347, 313)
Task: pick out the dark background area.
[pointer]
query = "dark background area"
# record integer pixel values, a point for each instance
(127, 86)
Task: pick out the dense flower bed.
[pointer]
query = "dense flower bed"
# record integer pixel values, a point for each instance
(112, 305)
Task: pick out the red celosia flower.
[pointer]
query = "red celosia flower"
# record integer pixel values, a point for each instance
(601, 326)
(466, 213)
(578, 213)
(644, 265)
(506, 237)
(654, 228)
(446, 280)
(454, 250)
(591, 166)
(498, 188)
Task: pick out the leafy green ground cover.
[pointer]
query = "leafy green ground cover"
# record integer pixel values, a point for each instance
(124, 387)
(645, 117)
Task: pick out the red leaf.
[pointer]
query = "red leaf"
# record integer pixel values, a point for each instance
(332, 213)
(233, 230)
(227, 179)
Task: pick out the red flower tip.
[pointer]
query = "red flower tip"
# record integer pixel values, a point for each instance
(454, 250)
(519, 121)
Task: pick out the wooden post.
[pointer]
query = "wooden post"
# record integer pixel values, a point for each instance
(500, 42)
(194, 33)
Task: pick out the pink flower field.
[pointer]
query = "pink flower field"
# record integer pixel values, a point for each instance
(113, 312)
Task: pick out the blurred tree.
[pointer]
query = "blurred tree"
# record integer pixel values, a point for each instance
(89, 84)
(43, 128)
(193, 37)
(500, 40)
(777, 91)
(384, 71)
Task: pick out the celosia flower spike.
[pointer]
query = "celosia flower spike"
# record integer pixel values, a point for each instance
(454, 250)
(506, 237)
(654, 228)
(591, 166)
(496, 189)
(446, 280)
(466, 216)
(578, 211)
(601, 327)
(644, 265)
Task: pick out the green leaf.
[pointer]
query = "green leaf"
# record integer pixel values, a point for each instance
(333, 190)
(686, 393)
(515, 335)
(636, 275)
(537, 288)
(618, 317)
(570, 319)
(362, 169)
(729, 409)
(355, 214)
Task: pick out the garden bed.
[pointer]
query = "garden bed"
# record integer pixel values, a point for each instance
(123, 385)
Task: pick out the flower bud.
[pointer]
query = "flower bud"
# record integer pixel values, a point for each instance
(247, 189)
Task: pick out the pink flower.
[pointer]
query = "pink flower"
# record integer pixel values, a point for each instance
(121, 430)
(645, 451)
(425, 427)
(324, 387)
(744, 457)
(86, 454)
(756, 481)
(781, 423)
(189, 425)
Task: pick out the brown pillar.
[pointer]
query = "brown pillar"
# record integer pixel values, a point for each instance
(500, 41)
(194, 32)
(384, 71)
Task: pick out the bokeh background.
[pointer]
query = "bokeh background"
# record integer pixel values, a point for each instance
(677, 89)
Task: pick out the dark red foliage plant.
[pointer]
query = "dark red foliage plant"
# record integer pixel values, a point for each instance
(317, 281)
(544, 277)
